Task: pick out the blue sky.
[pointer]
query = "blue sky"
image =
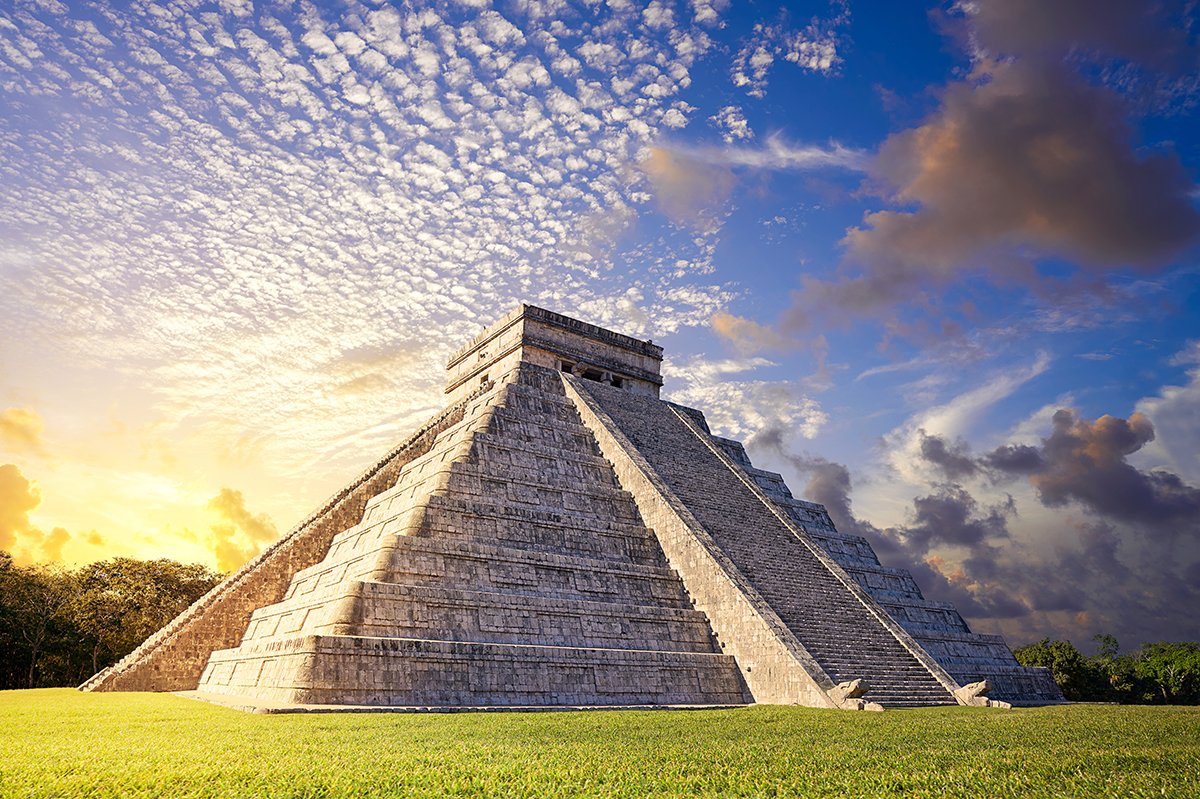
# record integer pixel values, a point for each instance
(935, 263)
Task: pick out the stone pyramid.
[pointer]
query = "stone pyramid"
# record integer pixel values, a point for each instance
(560, 536)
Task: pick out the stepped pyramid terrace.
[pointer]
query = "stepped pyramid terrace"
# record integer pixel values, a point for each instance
(558, 536)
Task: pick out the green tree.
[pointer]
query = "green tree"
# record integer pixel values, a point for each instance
(35, 599)
(1106, 646)
(1164, 672)
(1069, 668)
(123, 601)
(1115, 672)
(57, 626)
(1173, 668)
(11, 646)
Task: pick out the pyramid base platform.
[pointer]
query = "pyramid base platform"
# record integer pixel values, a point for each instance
(267, 706)
(321, 670)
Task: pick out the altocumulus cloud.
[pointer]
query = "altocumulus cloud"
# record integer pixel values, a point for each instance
(270, 191)
(744, 408)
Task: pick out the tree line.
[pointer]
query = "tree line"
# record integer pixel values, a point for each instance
(59, 626)
(1162, 673)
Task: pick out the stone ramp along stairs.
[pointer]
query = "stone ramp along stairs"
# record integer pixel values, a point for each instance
(838, 634)
(559, 536)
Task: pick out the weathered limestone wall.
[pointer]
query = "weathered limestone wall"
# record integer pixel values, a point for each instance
(174, 658)
(405, 672)
(839, 627)
(386, 610)
(538, 337)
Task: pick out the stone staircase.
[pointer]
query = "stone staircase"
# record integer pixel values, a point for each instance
(505, 566)
(832, 621)
(937, 626)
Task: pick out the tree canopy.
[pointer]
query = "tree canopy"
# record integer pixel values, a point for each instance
(59, 626)
(1161, 673)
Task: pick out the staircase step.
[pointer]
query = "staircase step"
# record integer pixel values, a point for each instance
(410, 560)
(387, 610)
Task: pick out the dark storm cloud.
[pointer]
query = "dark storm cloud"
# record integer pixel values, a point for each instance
(1192, 573)
(1023, 160)
(1015, 459)
(949, 515)
(1001, 596)
(1098, 553)
(953, 459)
(981, 585)
(1120, 572)
(1151, 32)
(828, 484)
(953, 517)
(1084, 463)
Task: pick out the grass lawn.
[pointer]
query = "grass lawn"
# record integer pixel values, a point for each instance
(60, 742)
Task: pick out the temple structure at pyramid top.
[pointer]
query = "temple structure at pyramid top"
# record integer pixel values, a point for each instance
(543, 338)
(558, 535)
